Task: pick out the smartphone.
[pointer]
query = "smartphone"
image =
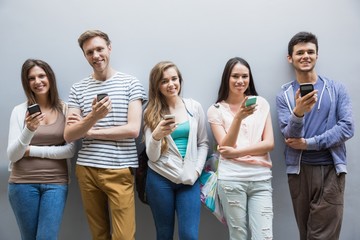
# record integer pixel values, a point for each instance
(250, 101)
(170, 116)
(34, 109)
(306, 88)
(100, 96)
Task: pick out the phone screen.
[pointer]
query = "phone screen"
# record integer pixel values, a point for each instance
(34, 109)
(306, 88)
(250, 101)
(100, 96)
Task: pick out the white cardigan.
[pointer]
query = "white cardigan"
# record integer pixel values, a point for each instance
(170, 164)
(20, 137)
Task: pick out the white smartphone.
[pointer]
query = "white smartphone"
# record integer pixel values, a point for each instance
(250, 101)
(169, 116)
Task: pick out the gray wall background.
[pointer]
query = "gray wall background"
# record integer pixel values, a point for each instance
(199, 36)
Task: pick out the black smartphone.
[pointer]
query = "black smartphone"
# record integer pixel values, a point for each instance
(100, 96)
(306, 88)
(34, 109)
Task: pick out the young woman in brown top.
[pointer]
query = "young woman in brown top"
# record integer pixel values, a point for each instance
(38, 154)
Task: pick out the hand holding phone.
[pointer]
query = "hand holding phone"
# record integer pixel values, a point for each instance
(33, 122)
(100, 96)
(34, 109)
(250, 101)
(306, 88)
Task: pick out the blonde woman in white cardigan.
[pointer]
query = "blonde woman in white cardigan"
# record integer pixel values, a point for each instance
(177, 149)
(245, 137)
(38, 182)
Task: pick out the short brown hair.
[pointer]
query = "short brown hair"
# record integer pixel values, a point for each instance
(302, 37)
(91, 34)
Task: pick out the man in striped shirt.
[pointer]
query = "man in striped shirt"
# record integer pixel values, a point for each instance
(108, 128)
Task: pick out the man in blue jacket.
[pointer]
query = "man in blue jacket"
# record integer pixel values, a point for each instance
(315, 127)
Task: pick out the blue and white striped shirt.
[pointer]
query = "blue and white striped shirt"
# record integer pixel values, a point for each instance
(122, 89)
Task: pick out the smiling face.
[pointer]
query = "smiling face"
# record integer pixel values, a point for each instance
(170, 83)
(239, 79)
(38, 81)
(97, 53)
(304, 57)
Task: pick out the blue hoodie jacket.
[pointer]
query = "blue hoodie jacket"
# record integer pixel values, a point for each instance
(339, 125)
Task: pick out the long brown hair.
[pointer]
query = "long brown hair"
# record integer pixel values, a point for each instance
(157, 106)
(53, 95)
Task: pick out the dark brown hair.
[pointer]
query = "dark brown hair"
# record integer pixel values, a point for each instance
(302, 37)
(53, 95)
(223, 93)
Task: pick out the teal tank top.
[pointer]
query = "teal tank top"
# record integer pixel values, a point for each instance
(181, 137)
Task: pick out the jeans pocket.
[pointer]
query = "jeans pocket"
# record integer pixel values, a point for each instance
(267, 185)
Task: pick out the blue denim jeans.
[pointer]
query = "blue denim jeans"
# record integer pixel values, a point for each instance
(165, 198)
(38, 209)
(247, 203)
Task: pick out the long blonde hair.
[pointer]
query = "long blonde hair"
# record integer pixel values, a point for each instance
(157, 106)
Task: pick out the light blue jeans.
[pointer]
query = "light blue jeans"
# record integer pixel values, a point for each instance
(38, 209)
(165, 198)
(247, 204)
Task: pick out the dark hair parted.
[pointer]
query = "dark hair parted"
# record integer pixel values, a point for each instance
(91, 34)
(157, 106)
(224, 89)
(53, 95)
(302, 37)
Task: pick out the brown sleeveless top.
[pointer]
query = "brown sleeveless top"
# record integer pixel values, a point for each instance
(43, 170)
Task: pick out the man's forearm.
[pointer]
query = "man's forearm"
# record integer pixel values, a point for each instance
(114, 133)
(79, 129)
